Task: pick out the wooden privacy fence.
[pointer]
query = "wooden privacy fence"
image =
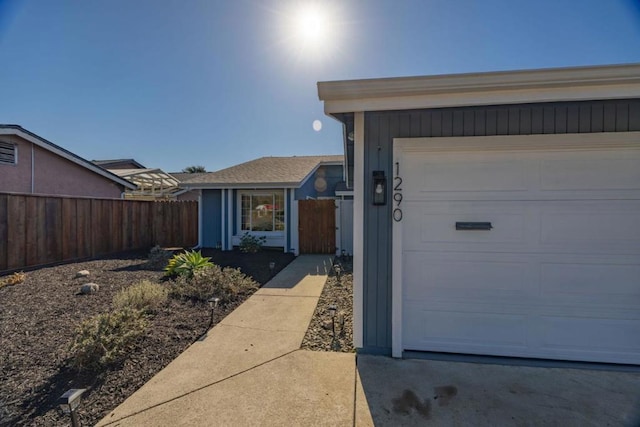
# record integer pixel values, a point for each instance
(36, 230)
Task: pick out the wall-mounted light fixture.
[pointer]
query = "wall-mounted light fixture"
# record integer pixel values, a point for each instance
(379, 188)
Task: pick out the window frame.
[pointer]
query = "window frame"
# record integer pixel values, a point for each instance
(261, 192)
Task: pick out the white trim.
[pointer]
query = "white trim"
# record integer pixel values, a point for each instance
(66, 155)
(358, 231)
(200, 213)
(229, 219)
(295, 237)
(545, 142)
(286, 217)
(338, 206)
(506, 87)
(396, 267)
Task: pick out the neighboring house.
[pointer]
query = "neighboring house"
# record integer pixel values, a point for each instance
(262, 197)
(508, 222)
(151, 184)
(31, 164)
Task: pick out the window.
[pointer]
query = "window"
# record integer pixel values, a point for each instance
(7, 153)
(262, 211)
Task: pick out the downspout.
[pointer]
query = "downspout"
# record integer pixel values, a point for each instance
(199, 245)
(33, 174)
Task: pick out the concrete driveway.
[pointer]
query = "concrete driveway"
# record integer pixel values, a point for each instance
(426, 392)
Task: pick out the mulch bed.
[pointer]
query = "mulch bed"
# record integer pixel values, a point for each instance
(39, 316)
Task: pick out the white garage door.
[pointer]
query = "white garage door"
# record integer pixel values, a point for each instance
(558, 274)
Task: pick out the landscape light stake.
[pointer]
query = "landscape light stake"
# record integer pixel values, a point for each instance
(332, 312)
(213, 304)
(69, 402)
(272, 267)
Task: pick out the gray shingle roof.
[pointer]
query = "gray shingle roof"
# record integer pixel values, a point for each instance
(263, 171)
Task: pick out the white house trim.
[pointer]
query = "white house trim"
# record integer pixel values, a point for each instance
(358, 231)
(544, 142)
(200, 231)
(230, 219)
(295, 241)
(493, 88)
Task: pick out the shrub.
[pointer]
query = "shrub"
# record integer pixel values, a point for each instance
(145, 296)
(228, 284)
(104, 339)
(250, 243)
(186, 263)
(158, 257)
(13, 279)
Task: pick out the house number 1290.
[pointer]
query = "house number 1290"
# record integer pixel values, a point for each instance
(397, 194)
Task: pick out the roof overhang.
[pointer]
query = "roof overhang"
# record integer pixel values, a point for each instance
(491, 88)
(244, 186)
(49, 146)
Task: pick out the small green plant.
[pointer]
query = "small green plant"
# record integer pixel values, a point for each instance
(228, 284)
(250, 243)
(104, 339)
(186, 263)
(13, 279)
(145, 296)
(158, 257)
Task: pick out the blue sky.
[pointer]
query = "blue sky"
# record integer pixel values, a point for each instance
(218, 82)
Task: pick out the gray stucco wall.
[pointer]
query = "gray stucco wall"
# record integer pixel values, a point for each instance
(331, 174)
(382, 127)
(211, 219)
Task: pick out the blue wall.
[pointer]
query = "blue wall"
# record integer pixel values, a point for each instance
(211, 219)
(332, 175)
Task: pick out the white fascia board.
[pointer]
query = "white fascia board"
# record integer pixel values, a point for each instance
(508, 87)
(72, 158)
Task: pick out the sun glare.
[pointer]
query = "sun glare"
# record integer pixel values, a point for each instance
(310, 24)
(311, 29)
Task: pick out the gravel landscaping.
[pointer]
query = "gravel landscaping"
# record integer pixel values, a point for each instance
(38, 319)
(333, 334)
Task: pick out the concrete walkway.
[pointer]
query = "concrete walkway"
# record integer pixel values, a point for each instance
(249, 369)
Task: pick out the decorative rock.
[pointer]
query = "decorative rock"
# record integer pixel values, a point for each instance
(89, 288)
(82, 273)
(327, 324)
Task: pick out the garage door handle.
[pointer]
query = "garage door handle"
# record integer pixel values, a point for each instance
(473, 226)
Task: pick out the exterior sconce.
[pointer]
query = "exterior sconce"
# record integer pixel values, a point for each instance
(69, 402)
(379, 188)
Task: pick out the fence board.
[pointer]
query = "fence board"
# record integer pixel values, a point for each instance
(4, 230)
(16, 234)
(36, 230)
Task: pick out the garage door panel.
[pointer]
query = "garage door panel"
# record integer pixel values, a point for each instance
(590, 171)
(465, 276)
(604, 284)
(453, 173)
(441, 329)
(576, 225)
(571, 335)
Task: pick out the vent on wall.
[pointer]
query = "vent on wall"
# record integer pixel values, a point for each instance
(7, 153)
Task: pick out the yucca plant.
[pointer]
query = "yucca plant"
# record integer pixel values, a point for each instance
(186, 263)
